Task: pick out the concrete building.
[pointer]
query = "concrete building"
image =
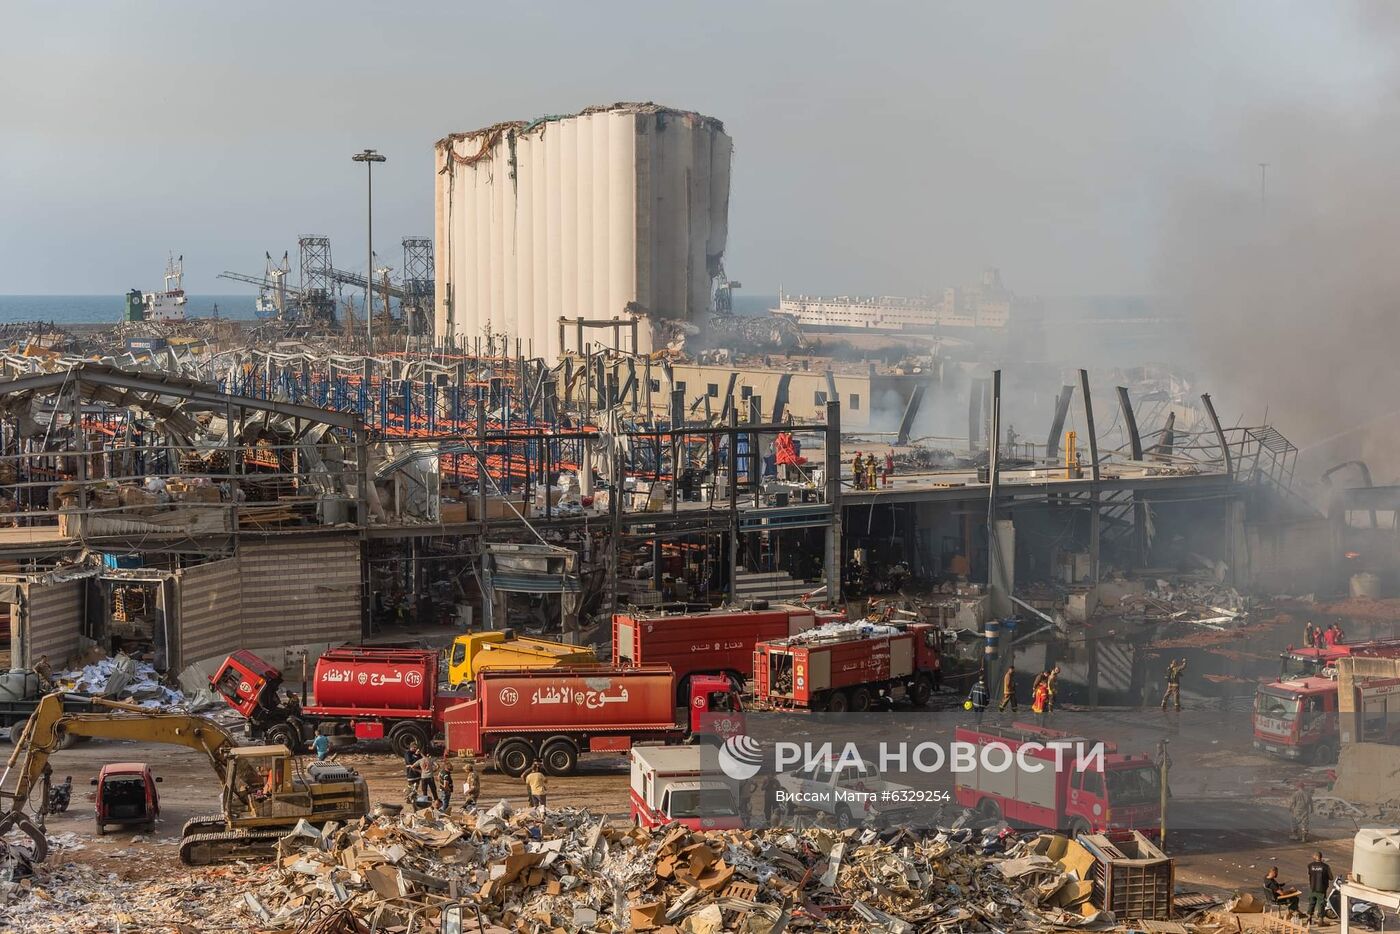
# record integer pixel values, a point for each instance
(613, 211)
(871, 397)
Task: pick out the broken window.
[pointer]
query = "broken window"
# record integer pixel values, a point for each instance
(819, 397)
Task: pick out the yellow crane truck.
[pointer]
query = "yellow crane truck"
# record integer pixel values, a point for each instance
(264, 790)
(502, 648)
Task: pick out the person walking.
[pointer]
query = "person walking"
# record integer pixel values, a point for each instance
(427, 778)
(1052, 685)
(411, 775)
(1300, 808)
(1319, 882)
(1040, 697)
(444, 782)
(537, 786)
(979, 698)
(471, 787)
(1008, 690)
(1173, 692)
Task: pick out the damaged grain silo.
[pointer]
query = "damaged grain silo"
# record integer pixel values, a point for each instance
(617, 211)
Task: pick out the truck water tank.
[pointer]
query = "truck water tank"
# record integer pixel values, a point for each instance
(372, 679)
(19, 684)
(1376, 858)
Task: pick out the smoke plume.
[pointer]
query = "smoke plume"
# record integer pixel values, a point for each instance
(1292, 295)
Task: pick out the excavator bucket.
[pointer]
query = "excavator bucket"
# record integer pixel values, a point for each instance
(18, 820)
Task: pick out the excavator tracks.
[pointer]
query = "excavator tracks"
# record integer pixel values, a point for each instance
(205, 849)
(204, 823)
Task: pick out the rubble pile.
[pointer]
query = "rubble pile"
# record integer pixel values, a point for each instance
(1201, 603)
(121, 677)
(572, 871)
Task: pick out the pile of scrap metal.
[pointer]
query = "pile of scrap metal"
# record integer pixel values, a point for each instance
(574, 871)
(1204, 603)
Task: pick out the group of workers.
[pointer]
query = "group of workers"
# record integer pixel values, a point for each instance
(1043, 691)
(1315, 637)
(432, 778)
(866, 470)
(1319, 890)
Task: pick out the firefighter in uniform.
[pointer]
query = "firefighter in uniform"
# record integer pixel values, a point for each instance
(1173, 692)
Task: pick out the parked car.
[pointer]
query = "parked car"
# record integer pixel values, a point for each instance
(126, 795)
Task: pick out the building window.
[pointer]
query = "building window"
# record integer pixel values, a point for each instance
(855, 402)
(655, 385)
(745, 392)
(680, 385)
(712, 390)
(819, 397)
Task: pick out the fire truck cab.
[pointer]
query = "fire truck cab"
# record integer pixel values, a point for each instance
(1297, 719)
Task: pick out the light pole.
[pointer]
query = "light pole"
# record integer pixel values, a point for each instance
(369, 157)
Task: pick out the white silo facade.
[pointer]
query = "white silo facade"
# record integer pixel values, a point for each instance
(579, 216)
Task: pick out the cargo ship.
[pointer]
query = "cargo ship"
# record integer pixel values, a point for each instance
(166, 306)
(986, 308)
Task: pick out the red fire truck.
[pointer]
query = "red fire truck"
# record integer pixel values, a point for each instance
(715, 643)
(356, 693)
(1308, 661)
(847, 667)
(1296, 717)
(556, 714)
(1092, 795)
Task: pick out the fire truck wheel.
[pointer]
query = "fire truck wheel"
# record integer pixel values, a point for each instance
(1324, 754)
(988, 809)
(281, 734)
(514, 757)
(1078, 828)
(860, 700)
(919, 692)
(560, 757)
(838, 702)
(404, 734)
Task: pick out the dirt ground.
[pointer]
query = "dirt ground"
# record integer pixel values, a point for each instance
(188, 788)
(1228, 857)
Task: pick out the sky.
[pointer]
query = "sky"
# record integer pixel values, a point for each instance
(878, 147)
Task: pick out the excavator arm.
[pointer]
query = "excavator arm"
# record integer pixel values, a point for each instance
(49, 724)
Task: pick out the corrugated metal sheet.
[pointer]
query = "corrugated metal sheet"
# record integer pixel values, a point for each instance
(53, 617)
(578, 216)
(300, 590)
(211, 611)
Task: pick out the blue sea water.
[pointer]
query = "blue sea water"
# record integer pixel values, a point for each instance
(108, 309)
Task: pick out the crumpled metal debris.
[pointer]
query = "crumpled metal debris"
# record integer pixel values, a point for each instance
(572, 870)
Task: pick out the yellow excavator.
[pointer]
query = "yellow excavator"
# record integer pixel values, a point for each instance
(264, 789)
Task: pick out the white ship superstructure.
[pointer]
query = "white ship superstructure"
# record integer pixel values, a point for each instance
(987, 307)
(167, 306)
